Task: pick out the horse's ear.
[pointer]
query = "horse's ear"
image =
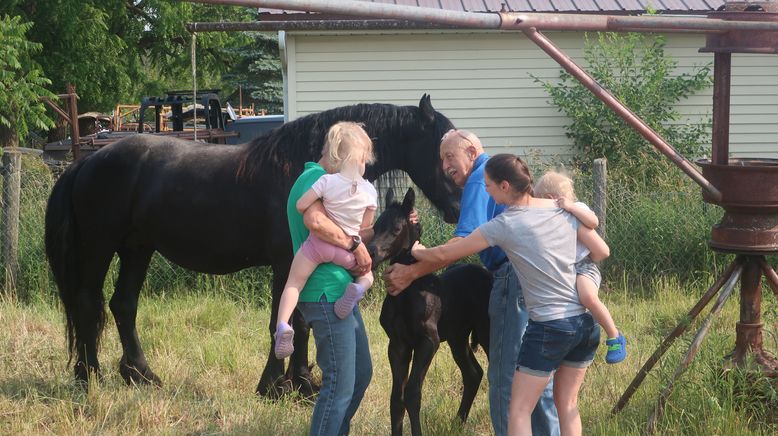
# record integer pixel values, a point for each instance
(409, 201)
(389, 199)
(427, 111)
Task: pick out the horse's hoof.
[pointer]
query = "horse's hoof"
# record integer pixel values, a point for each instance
(275, 390)
(305, 387)
(84, 373)
(134, 376)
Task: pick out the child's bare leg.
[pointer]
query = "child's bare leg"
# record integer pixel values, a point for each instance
(351, 296)
(301, 269)
(567, 384)
(587, 293)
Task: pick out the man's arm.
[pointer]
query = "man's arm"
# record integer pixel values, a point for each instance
(397, 277)
(318, 223)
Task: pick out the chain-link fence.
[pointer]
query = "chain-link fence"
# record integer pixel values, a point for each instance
(650, 234)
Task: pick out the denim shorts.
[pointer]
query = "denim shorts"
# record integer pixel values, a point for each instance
(587, 268)
(568, 341)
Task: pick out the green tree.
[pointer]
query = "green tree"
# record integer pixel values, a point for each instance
(635, 68)
(21, 82)
(258, 73)
(119, 50)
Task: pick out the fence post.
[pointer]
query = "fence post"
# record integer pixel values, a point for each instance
(600, 186)
(12, 180)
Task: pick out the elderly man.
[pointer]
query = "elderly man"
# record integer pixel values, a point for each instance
(463, 160)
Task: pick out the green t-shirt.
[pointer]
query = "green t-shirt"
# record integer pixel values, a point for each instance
(328, 279)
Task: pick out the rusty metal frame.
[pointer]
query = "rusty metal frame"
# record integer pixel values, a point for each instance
(71, 116)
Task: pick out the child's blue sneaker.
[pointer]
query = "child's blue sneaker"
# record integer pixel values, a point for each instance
(617, 349)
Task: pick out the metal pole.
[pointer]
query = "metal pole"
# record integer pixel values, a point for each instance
(722, 69)
(677, 331)
(194, 84)
(75, 136)
(627, 115)
(503, 20)
(692, 352)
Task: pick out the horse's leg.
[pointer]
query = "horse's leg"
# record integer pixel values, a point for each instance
(124, 306)
(272, 380)
(272, 376)
(423, 353)
(298, 370)
(89, 318)
(472, 373)
(399, 361)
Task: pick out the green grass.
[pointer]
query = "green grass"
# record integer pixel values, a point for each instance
(209, 349)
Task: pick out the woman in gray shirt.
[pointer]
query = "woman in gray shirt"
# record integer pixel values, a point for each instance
(540, 241)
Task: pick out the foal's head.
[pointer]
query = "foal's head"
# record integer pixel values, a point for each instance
(394, 232)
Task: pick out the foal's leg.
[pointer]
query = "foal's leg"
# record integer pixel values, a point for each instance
(472, 373)
(399, 361)
(423, 353)
(124, 305)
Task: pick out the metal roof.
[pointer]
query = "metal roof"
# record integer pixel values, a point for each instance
(572, 6)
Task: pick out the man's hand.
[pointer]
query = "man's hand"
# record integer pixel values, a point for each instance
(398, 277)
(416, 247)
(364, 262)
(413, 217)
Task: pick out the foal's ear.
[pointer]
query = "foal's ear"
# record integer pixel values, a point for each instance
(409, 201)
(427, 111)
(389, 199)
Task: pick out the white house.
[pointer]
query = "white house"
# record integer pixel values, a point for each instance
(483, 80)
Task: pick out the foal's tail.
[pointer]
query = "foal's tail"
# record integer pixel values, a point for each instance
(61, 240)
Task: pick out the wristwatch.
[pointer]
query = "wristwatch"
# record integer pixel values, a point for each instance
(355, 241)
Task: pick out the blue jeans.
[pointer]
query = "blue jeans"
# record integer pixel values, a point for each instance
(508, 319)
(343, 354)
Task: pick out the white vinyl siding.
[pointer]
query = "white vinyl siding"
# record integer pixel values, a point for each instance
(482, 82)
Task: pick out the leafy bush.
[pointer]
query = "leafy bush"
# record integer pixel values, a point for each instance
(636, 70)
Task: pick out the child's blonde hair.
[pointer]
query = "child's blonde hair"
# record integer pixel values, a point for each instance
(339, 147)
(554, 185)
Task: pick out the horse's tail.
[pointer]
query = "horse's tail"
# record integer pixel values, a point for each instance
(62, 251)
(474, 340)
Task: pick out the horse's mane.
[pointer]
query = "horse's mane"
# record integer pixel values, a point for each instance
(285, 149)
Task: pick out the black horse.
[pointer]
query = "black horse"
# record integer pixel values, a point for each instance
(453, 307)
(209, 208)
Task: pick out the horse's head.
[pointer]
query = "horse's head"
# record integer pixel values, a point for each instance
(394, 232)
(422, 160)
(405, 138)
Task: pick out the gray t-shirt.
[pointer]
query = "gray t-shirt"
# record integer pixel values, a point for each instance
(541, 245)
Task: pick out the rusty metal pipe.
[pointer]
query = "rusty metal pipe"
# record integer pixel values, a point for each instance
(374, 10)
(677, 332)
(504, 20)
(273, 25)
(617, 23)
(770, 275)
(627, 115)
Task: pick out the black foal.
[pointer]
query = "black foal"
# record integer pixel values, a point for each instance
(450, 307)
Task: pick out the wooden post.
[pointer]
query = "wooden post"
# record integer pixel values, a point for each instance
(600, 186)
(12, 181)
(75, 136)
